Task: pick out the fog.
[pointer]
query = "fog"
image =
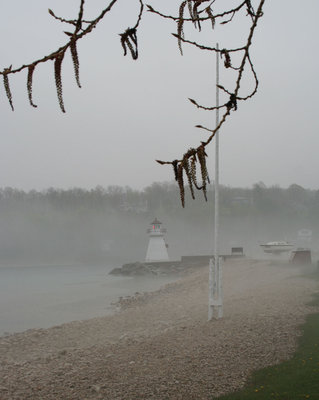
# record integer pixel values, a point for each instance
(107, 226)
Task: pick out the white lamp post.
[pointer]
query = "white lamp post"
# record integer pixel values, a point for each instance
(215, 302)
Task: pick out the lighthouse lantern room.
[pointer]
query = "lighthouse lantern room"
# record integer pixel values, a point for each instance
(157, 249)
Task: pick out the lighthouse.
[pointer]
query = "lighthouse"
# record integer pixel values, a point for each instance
(157, 249)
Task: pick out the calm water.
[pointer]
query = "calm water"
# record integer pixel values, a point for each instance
(41, 297)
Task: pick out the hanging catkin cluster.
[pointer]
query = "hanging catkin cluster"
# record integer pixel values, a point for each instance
(194, 13)
(129, 41)
(58, 78)
(227, 59)
(29, 84)
(7, 86)
(75, 60)
(188, 166)
(180, 24)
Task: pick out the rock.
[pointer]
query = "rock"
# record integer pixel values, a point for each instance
(134, 269)
(116, 271)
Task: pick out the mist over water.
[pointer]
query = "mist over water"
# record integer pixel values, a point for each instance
(44, 296)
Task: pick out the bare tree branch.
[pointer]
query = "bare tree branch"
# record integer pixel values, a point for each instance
(229, 106)
(193, 12)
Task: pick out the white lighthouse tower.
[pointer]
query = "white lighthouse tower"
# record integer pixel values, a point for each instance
(157, 249)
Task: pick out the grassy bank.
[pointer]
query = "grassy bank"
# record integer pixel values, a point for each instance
(295, 379)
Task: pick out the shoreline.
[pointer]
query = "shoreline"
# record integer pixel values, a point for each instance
(160, 345)
(44, 297)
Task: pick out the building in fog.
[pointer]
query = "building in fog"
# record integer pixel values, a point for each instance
(157, 248)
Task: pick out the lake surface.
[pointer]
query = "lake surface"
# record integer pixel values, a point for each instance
(44, 296)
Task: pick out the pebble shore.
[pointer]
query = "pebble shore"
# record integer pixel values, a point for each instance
(160, 345)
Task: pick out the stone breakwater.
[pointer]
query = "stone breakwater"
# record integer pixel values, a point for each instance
(185, 265)
(149, 269)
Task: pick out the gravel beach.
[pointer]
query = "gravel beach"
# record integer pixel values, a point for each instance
(160, 345)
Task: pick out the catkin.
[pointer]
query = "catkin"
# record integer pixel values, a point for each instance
(29, 84)
(7, 89)
(76, 63)
(58, 79)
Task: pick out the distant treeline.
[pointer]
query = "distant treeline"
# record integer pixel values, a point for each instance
(259, 198)
(108, 225)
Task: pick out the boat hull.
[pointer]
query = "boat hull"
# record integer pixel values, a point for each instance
(276, 247)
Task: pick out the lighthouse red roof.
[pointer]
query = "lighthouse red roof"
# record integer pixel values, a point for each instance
(156, 221)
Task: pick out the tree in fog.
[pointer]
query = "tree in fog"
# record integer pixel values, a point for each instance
(91, 226)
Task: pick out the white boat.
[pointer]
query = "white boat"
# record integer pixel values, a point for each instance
(277, 247)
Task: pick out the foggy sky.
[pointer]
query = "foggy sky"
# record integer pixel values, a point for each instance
(129, 113)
